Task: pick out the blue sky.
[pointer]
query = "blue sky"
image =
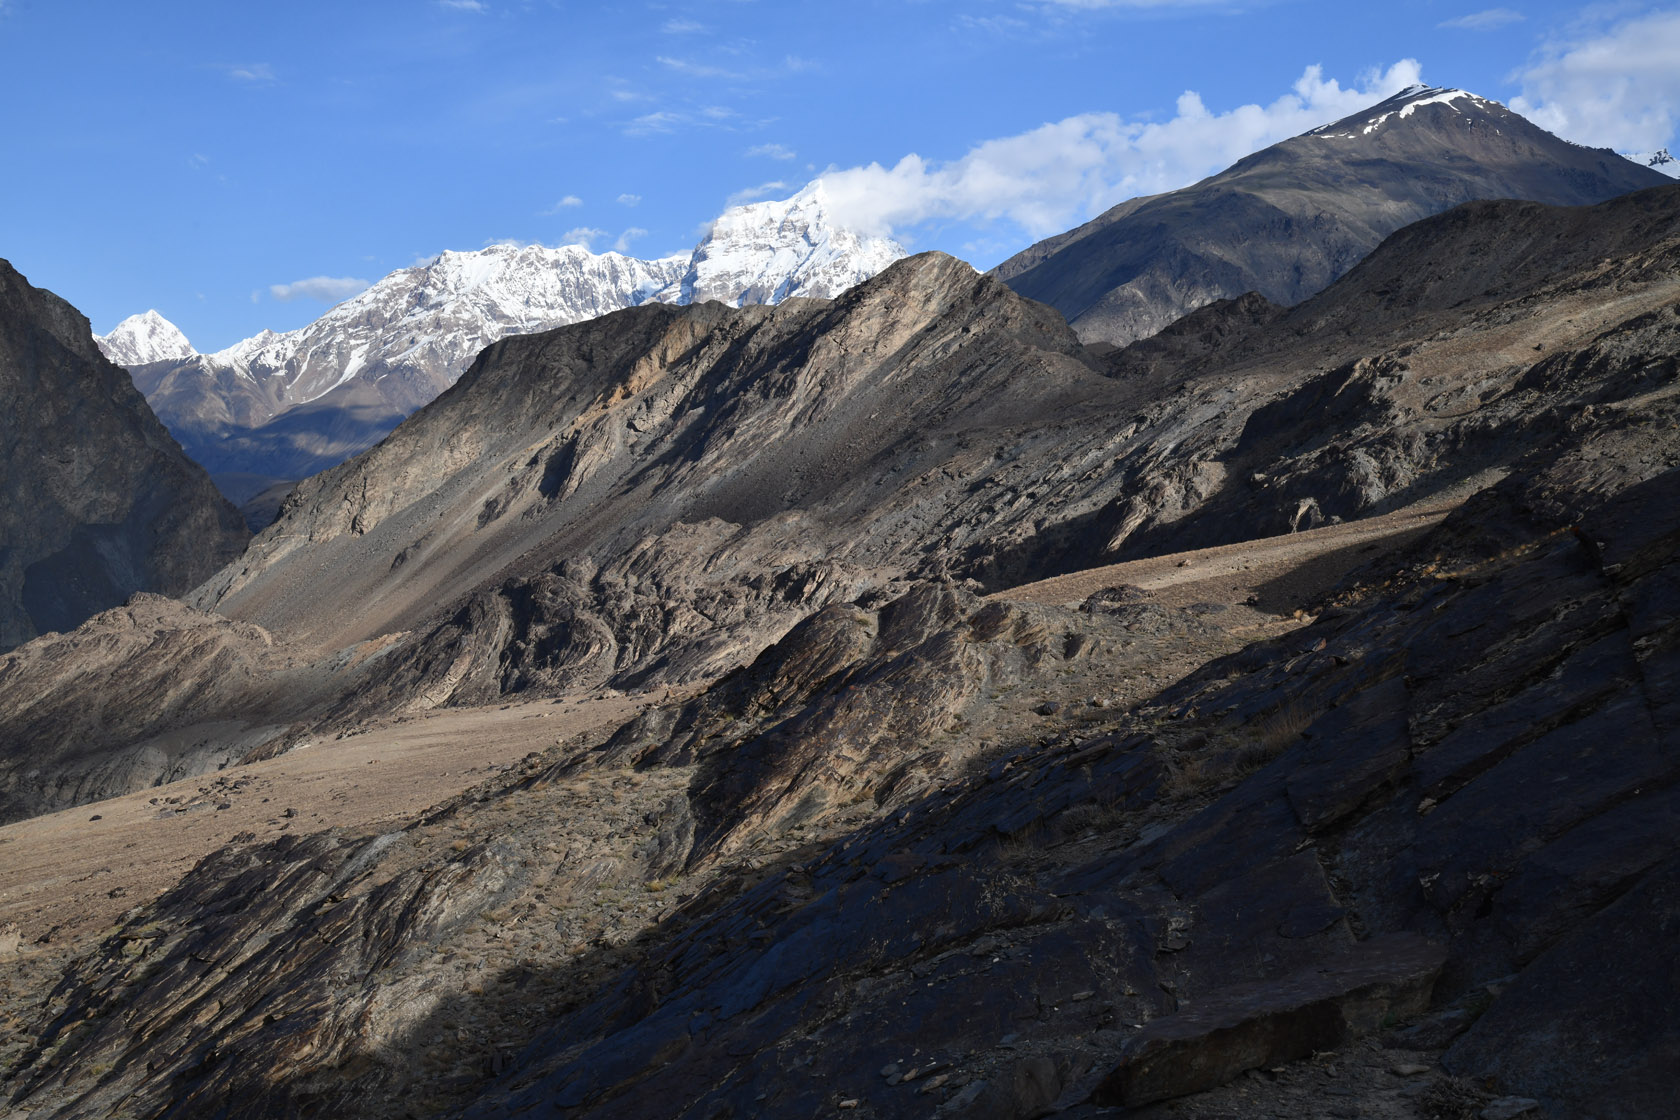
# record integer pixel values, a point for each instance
(241, 166)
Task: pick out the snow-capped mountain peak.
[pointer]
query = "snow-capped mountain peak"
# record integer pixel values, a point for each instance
(144, 338)
(765, 252)
(1401, 106)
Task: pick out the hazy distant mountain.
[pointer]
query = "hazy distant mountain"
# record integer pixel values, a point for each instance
(1288, 220)
(283, 406)
(96, 501)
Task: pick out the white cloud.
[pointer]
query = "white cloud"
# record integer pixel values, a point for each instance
(681, 27)
(583, 235)
(1490, 20)
(752, 194)
(327, 289)
(1060, 173)
(622, 245)
(464, 5)
(629, 199)
(1619, 88)
(566, 203)
(773, 151)
(259, 72)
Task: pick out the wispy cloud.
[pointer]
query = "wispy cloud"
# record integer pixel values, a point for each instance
(567, 203)
(464, 5)
(622, 245)
(752, 194)
(1616, 87)
(699, 69)
(585, 236)
(260, 72)
(681, 27)
(1489, 20)
(649, 124)
(773, 151)
(629, 199)
(1057, 174)
(327, 289)
(198, 160)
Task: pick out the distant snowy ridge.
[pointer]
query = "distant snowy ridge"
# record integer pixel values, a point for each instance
(415, 331)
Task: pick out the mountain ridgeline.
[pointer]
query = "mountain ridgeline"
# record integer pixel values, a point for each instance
(1288, 220)
(279, 407)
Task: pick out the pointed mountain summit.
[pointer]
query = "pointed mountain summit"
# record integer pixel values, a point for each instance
(282, 406)
(1291, 218)
(145, 338)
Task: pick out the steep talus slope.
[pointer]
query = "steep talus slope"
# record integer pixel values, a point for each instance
(1437, 816)
(679, 483)
(1290, 219)
(96, 500)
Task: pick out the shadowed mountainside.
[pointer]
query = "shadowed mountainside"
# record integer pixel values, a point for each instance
(96, 500)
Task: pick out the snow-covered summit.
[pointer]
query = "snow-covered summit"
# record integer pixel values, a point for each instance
(144, 338)
(1659, 160)
(1401, 106)
(432, 319)
(764, 252)
(397, 345)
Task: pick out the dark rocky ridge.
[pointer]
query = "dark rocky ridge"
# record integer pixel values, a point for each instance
(1290, 219)
(96, 499)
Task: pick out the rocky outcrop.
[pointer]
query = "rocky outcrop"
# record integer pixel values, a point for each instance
(1290, 219)
(96, 500)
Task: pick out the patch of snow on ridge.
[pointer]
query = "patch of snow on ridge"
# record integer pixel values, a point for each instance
(1400, 106)
(142, 339)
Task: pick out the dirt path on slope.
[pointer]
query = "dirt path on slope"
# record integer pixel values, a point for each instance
(1259, 579)
(70, 876)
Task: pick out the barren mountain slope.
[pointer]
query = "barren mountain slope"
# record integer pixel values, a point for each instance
(96, 500)
(1390, 862)
(661, 461)
(1288, 220)
(650, 498)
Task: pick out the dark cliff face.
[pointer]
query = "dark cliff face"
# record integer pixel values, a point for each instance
(96, 500)
(1290, 219)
